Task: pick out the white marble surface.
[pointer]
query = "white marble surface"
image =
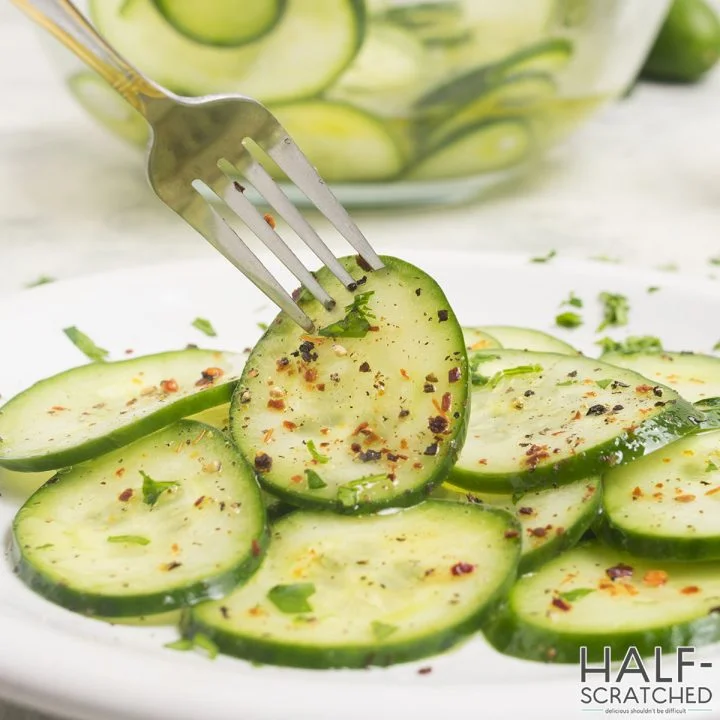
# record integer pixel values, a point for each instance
(641, 182)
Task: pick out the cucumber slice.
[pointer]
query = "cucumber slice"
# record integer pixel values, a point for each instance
(694, 376)
(307, 50)
(355, 424)
(142, 35)
(520, 338)
(552, 521)
(572, 602)
(487, 147)
(517, 94)
(545, 57)
(710, 409)
(666, 505)
(108, 108)
(476, 339)
(102, 539)
(95, 408)
(222, 22)
(440, 24)
(373, 590)
(542, 419)
(343, 142)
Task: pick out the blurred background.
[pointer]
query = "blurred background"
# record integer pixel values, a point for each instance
(584, 126)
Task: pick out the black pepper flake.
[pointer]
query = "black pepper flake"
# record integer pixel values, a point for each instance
(429, 388)
(424, 671)
(438, 424)
(529, 393)
(618, 571)
(572, 374)
(283, 362)
(240, 188)
(365, 367)
(617, 384)
(224, 612)
(431, 377)
(454, 374)
(442, 315)
(657, 391)
(305, 351)
(363, 264)
(597, 410)
(263, 462)
(538, 532)
(618, 408)
(525, 511)
(660, 403)
(172, 565)
(356, 447)
(431, 449)
(418, 291)
(370, 455)
(403, 413)
(362, 280)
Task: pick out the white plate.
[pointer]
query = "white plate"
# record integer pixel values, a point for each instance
(54, 660)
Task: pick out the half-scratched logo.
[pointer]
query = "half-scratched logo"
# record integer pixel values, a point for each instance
(629, 685)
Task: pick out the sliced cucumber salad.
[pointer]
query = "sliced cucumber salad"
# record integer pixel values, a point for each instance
(414, 92)
(378, 491)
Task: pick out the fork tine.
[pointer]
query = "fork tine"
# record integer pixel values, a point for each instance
(227, 242)
(249, 214)
(260, 179)
(297, 167)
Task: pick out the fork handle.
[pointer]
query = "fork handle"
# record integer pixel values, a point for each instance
(63, 20)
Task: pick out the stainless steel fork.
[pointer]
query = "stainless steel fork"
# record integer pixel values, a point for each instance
(198, 162)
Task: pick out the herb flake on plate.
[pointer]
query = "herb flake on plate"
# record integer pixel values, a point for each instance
(204, 326)
(85, 345)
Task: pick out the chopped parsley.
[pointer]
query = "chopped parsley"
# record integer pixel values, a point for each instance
(263, 326)
(382, 630)
(355, 324)
(573, 301)
(653, 289)
(315, 453)
(544, 258)
(199, 641)
(494, 380)
(42, 280)
(616, 310)
(633, 344)
(475, 362)
(348, 495)
(711, 467)
(603, 383)
(716, 346)
(714, 260)
(314, 481)
(568, 320)
(204, 326)
(128, 539)
(575, 595)
(153, 489)
(85, 345)
(293, 598)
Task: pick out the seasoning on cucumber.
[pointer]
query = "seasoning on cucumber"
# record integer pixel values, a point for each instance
(688, 44)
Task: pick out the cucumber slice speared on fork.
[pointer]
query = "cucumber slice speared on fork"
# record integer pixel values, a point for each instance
(84, 412)
(368, 413)
(166, 522)
(540, 419)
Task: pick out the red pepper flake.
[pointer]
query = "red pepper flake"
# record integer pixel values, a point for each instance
(120, 472)
(320, 387)
(360, 428)
(356, 447)
(560, 604)
(276, 404)
(310, 375)
(169, 386)
(538, 532)
(365, 367)
(577, 415)
(643, 388)
(454, 374)
(424, 670)
(255, 548)
(511, 534)
(526, 511)
(58, 408)
(462, 568)
(686, 498)
(404, 373)
(263, 462)
(270, 220)
(417, 466)
(637, 492)
(446, 402)
(289, 425)
(296, 479)
(655, 578)
(438, 424)
(714, 491)
(125, 495)
(129, 351)
(619, 571)
(690, 590)
(209, 376)
(199, 501)
(442, 315)
(536, 453)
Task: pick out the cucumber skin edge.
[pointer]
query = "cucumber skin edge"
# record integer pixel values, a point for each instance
(678, 420)
(358, 657)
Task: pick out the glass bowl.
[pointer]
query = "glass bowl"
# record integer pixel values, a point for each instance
(395, 101)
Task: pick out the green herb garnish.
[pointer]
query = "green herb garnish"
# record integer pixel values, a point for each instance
(711, 467)
(153, 489)
(314, 481)
(475, 362)
(42, 280)
(494, 381)
(633, 344)
(653, 289)
(45, 546)
(204, 326)
(355, 324)
(603, 383)
(615, 310)
(85, 345)
(382, 630)
(568, 320)
(199, 641)
(292, 598)
(128, 539)
(714, 260)
(348, 495)
(716, 346)
(544, 258)
(574, 595)
(263, 326)
(573, 300)
(316, 455)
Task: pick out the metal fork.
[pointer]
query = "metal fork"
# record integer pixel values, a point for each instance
(198, 163)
